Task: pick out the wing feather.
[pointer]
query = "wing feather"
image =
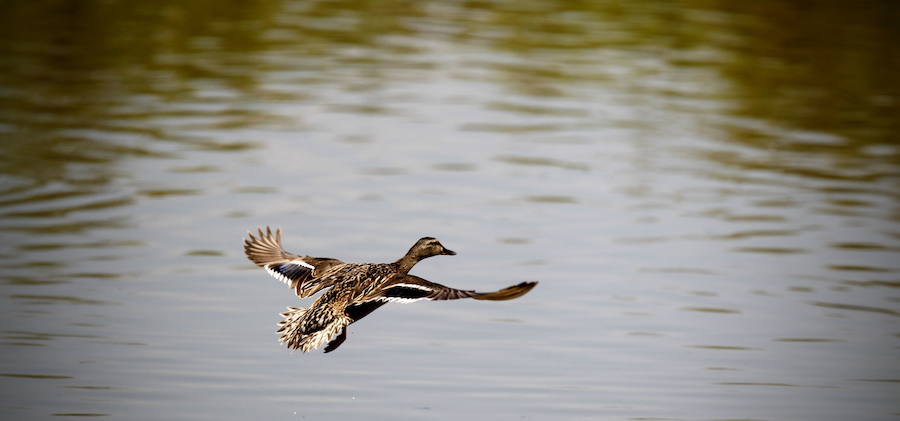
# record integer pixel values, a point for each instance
(410, 288)
(300, 273)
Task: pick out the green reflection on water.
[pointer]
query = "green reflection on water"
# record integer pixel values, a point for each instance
(827, 73)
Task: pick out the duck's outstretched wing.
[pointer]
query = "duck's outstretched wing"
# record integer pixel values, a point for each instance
(299, 273)
(408, 288)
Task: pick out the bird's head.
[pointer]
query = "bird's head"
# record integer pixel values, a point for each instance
(427, 247)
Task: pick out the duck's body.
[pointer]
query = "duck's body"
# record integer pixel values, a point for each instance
(356, 289)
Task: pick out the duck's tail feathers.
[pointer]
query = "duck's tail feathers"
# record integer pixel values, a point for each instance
(290, 326)
(306, 332)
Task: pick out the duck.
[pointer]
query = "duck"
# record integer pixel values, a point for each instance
(351, 290)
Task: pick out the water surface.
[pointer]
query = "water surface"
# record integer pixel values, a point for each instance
(706, 191)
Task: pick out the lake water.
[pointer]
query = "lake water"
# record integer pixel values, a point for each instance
(706, 191)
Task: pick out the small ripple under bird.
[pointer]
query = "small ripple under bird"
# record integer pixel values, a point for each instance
(354, 289)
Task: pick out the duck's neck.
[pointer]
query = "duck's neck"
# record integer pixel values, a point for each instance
(405, 263)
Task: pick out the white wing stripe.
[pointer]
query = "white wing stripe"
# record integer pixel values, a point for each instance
(301, 263)
(401, 299)
(416, 286)
(278, 275)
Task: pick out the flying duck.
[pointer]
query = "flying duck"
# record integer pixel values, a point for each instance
(356, 289)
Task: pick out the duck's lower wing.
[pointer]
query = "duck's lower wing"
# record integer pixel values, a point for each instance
(337, 341)
(354, 312)
(409, 288)
(301, 274)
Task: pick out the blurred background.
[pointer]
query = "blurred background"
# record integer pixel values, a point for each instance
(707, 191)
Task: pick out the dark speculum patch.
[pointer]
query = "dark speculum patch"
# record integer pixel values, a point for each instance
(292, 271)
(406, 292)
(358, 311)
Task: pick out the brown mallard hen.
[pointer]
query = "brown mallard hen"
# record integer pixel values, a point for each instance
(354, 289)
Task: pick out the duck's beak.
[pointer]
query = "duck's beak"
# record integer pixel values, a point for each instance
(449, 252)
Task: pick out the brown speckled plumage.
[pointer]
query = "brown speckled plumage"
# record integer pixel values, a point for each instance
(353, 289)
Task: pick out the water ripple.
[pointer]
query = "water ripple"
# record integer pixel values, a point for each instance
(34, 299)
(854, 307)
(542, 162)
(35, 376)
